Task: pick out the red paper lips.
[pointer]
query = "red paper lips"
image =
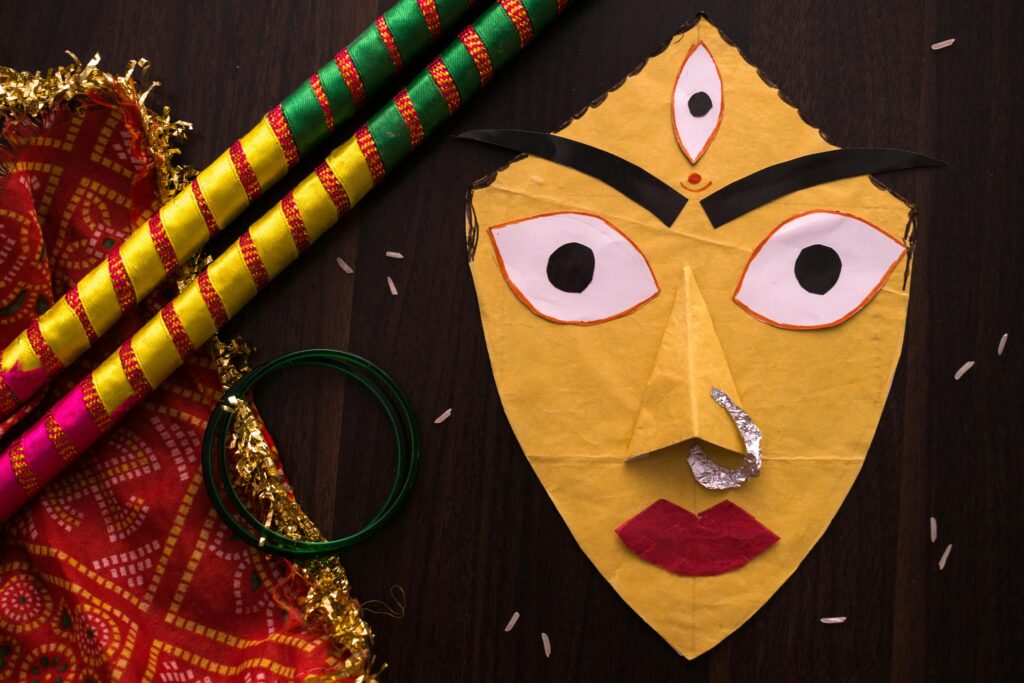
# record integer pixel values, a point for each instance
(722, 538)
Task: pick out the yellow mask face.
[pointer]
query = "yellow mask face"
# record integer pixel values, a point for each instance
(602, 357)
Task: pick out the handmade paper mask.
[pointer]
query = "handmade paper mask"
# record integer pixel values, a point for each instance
(748, 339)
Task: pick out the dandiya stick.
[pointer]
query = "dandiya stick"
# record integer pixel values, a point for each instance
(329, 98)
(273, 242)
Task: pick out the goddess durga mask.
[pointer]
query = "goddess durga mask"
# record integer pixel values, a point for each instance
(694, 307)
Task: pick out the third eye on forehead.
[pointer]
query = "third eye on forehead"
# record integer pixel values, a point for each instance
(699, 104)
(571, 267)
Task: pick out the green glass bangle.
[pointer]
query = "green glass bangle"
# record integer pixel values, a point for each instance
(400, 417)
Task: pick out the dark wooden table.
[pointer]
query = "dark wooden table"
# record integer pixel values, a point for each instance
(479, 538)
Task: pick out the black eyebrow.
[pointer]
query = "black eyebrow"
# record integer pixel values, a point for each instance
(768, 184)
(727, 204)
(658, 197)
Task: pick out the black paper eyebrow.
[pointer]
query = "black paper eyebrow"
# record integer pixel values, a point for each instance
(768, 184)
(659, 198)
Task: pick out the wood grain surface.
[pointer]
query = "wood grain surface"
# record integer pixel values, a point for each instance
(479, 538)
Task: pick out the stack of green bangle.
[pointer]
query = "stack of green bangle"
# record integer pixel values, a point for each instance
(400, 416)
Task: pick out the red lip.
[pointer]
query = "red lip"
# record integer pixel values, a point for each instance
(722, 538)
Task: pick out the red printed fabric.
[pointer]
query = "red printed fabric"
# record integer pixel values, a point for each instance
(120, 570)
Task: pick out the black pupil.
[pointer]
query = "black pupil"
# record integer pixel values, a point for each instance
(571, 267)
(699, 104)
(817, 268)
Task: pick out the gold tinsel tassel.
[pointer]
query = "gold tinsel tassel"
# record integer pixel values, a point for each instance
(328, 604)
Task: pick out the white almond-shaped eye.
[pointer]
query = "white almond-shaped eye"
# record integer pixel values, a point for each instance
(697, 102)
(816, 270)
(573, 267)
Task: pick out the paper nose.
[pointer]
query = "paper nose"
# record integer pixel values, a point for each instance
(677, 403)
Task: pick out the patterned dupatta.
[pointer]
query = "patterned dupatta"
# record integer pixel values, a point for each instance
(117, 570)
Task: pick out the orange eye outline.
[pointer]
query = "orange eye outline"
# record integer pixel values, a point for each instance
(527, 302)
(849, 314)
